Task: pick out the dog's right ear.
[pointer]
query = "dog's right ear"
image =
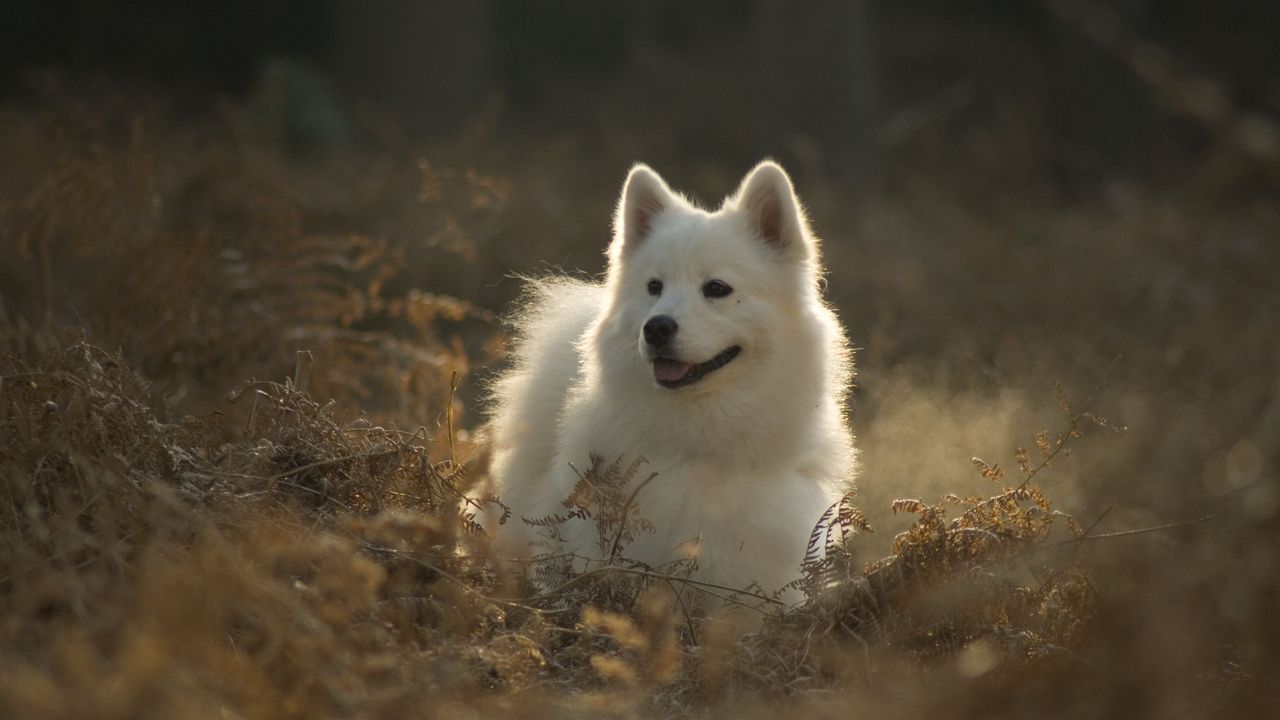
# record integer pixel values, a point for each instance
(644, 197)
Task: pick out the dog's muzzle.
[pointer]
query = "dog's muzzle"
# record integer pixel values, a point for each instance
(673, 374)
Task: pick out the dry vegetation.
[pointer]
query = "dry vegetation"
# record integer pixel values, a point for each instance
(234, 440)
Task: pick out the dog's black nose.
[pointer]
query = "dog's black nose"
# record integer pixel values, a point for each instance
(660, 329)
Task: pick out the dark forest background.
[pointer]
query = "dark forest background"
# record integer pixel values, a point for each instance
(828, 71)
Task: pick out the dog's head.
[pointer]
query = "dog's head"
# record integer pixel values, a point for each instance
(707, 295)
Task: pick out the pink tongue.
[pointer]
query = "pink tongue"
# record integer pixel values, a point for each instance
(670, 370)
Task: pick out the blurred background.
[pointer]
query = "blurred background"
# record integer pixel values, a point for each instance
(1014, 195)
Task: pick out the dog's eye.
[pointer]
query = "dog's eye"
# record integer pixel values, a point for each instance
(655, 287)
(716, 289)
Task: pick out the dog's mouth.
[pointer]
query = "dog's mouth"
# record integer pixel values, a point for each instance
(673, 373)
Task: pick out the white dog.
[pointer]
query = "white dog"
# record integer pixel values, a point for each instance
(708, 351)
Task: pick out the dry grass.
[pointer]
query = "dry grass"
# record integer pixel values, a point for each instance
(313, 568)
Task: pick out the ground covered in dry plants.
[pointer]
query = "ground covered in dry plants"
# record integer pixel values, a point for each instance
(237, 429)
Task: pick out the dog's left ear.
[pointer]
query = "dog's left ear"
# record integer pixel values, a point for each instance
(772, 209)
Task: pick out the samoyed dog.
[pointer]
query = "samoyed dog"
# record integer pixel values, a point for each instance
(709, 352)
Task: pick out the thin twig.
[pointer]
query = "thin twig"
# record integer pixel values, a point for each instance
(622, 524)
(323, 495)
(1138, 531)
(1073, 423)
(1097, 522)
(448, 416)
(456, 580)
(328, 462)
(693, 634)
(661, 576)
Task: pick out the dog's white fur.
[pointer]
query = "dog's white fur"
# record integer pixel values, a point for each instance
(748, 457)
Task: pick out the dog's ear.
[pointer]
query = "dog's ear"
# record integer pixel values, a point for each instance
(768, 200)
(644, 197)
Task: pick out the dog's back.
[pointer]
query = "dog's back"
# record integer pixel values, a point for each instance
(526, 402)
